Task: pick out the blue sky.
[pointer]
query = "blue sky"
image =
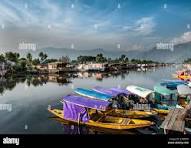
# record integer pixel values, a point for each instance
(89, 24)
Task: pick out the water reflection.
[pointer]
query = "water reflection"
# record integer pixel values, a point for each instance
(74, 129)
(43, 90)
(39, 80)
(11, 82)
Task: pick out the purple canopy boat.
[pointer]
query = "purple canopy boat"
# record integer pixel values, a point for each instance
(77, 109)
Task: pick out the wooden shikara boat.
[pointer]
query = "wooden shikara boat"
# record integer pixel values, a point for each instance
(109, 122)
(146, 94)
(113, 92)
(159, 90)
(76, 110)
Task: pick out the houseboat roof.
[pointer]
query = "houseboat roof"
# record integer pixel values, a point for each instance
(163, 90)
(139, 91)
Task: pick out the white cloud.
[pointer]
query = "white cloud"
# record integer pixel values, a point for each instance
(186, 37)
(127, 27)
(144, 25)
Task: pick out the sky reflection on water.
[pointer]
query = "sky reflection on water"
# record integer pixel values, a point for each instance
(29, 102)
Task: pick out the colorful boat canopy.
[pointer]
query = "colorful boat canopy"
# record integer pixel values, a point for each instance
(183, 90)
(92, 94)
(141, 92)
(163, 90)
(111, 91)
(172, 84)
(86, 102)
(120, 90)
(74, 112)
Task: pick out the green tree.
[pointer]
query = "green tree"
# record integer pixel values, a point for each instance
(14, 57)
(21, 66)
(100, 58)
(36, 61)
(126, 59)
(29, 57)
(122, 58)
(2, 58)
(43, 56)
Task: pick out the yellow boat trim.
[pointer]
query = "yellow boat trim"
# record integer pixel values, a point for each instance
(109, 122)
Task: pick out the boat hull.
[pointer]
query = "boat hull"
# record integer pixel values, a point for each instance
(112, 123)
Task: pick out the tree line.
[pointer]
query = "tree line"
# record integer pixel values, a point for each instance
(28, 63)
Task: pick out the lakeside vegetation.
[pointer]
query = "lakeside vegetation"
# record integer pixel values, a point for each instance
(188, 61)
(17, 64)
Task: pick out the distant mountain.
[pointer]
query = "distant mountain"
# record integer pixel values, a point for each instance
(179, 54)
(73, 53)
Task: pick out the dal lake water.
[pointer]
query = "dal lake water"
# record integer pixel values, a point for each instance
(30, 96)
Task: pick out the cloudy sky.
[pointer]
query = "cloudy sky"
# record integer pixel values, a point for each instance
(89, 24)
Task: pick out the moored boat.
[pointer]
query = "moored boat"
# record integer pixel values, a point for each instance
(163, 93)
(76, 110)
(117, 112)
(148, 95)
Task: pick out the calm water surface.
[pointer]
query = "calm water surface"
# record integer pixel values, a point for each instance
(31, 96)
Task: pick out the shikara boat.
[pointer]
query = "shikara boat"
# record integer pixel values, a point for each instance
(172, 91)
(102, 95)
(183, 75)
(166, 92)
(76, 110)
(136, 114)
(147, 94)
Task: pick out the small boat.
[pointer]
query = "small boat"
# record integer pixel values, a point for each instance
(137, 114)
(164, 109)
(147, 94)
(92, 94)
(76, 110)
(163, 93)
(183, 75)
